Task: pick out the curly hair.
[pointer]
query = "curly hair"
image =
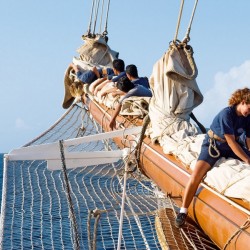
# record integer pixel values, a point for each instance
(238, 96)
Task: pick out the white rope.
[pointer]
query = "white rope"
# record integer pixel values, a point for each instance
(91, 16)
(179, 20)
(76, 241)
(187, 38)
(105, 32)
(96, 14)
(101, 17)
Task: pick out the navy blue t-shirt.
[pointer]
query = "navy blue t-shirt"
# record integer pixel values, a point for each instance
(142, 81)
(116, 78)
(228, 122)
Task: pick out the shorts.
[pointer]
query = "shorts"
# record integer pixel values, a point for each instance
(224, 149)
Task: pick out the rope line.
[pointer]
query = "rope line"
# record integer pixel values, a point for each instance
(187, 38)
(212, 145)
(105, 32)
(178, 21)
(70, 203)
(90, 19)
(96, 15)
(100, 28)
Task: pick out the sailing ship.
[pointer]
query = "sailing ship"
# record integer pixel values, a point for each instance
(79, 151)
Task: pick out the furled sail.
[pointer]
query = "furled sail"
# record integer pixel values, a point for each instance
(175, 92)
(94, 52)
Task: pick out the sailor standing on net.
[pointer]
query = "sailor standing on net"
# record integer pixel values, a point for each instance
(224, 139)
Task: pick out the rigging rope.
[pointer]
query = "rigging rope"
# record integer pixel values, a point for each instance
(70, 203)
(96, 14)
(101, 17)
(91, 16)
(187, 38)
(178, 22)
(105, 32)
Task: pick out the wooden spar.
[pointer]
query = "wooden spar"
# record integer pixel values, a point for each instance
(220, 218)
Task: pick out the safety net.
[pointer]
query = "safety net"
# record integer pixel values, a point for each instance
(67, 207)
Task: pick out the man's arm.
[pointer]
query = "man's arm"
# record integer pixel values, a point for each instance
(112, 122)
(94, 84)
(100, 86)
(118, 92)
(236, 148)
(248, 143)
(107, 91)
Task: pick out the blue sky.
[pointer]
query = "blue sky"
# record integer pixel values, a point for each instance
(40, 38)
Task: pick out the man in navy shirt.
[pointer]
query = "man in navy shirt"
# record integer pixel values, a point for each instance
(128, 89)
(132, 74)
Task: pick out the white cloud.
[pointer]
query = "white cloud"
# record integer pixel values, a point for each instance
(224, 85)
(20, 124)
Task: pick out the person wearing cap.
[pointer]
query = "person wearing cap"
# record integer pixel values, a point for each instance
(127, 89)
(132, 74)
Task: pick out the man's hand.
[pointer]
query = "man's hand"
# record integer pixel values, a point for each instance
(112, 124)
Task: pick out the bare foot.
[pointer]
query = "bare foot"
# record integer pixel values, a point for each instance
(94, 69)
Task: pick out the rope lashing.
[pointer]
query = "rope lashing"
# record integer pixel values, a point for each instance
(244, 226)
(70, 203)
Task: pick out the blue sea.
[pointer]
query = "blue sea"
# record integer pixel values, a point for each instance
(1, 176)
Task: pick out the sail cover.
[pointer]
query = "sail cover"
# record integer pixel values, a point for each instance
(175, 92)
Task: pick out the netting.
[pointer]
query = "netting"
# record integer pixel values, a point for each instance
(35, 208)
(36, 214)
